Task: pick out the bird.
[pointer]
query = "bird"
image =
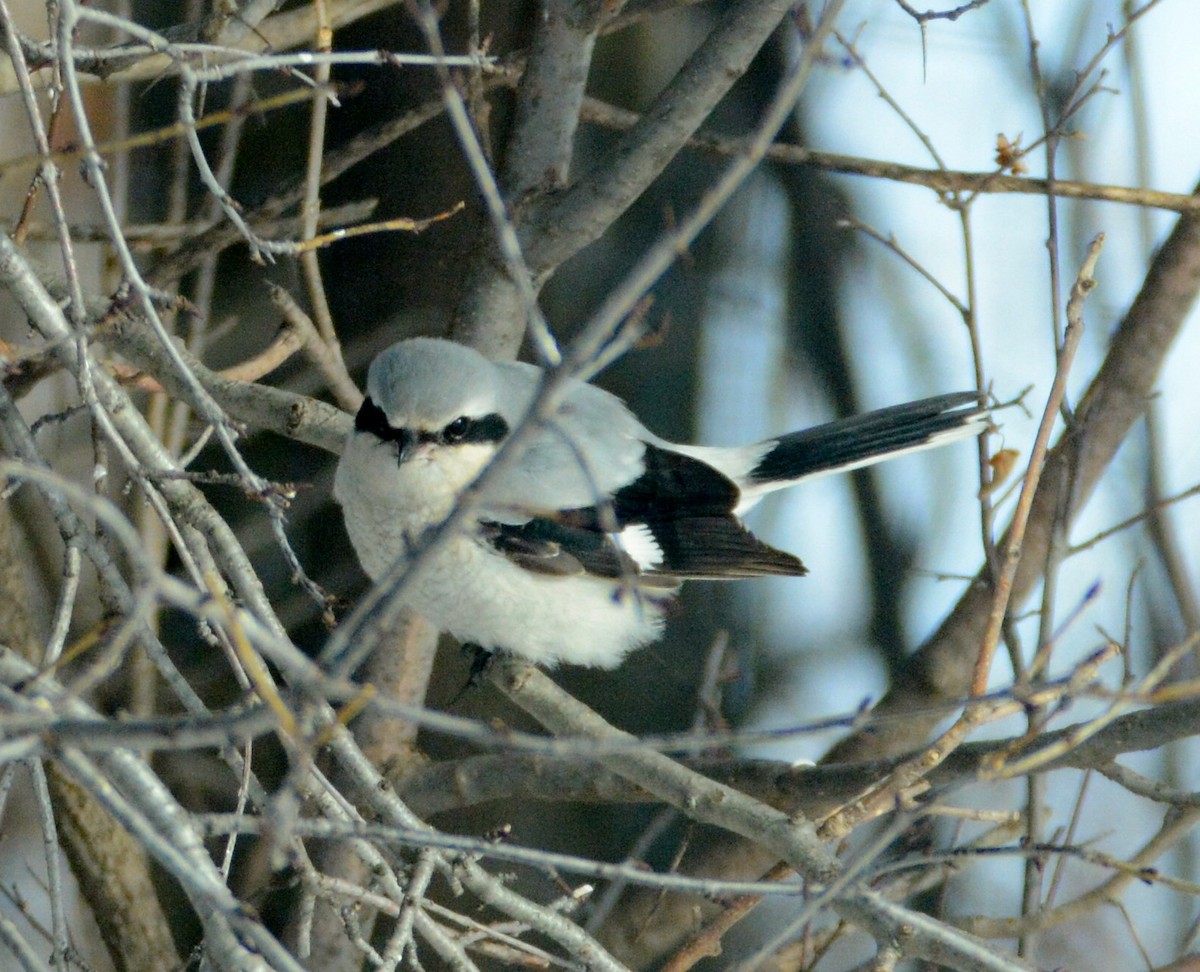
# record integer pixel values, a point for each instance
(575, 552)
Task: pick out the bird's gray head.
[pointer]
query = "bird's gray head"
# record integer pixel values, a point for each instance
(426, 390)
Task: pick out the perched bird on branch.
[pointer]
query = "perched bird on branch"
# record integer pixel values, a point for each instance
(573, 551)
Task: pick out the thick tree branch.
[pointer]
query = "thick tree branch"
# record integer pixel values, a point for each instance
(790, 838)
(555, 227)
(297, 417)
(539, 152)
(811, 790)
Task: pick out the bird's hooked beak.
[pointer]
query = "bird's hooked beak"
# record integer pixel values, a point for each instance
(406, 444)
(372, 419)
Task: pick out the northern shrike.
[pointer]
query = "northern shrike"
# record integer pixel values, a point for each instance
(575, 551)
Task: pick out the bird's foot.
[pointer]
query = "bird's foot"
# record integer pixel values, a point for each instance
(481, 661)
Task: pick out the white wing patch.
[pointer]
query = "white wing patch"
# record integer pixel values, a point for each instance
(639, 543)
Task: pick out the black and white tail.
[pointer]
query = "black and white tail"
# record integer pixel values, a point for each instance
(852, 443)
(681, 517)
(865, 439)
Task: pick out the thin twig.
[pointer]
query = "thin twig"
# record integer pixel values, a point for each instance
(1011, 555)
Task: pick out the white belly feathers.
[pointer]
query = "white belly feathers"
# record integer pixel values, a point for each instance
(474, 592)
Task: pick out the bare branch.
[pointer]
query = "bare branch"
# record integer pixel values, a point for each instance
(942, 667)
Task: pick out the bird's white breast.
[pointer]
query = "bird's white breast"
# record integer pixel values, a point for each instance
(466, 587)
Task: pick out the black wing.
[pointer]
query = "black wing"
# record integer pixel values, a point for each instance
(681, 504)
(687, 506)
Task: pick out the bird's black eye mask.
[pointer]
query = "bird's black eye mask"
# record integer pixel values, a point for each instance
(371, 418)
(464, 429)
